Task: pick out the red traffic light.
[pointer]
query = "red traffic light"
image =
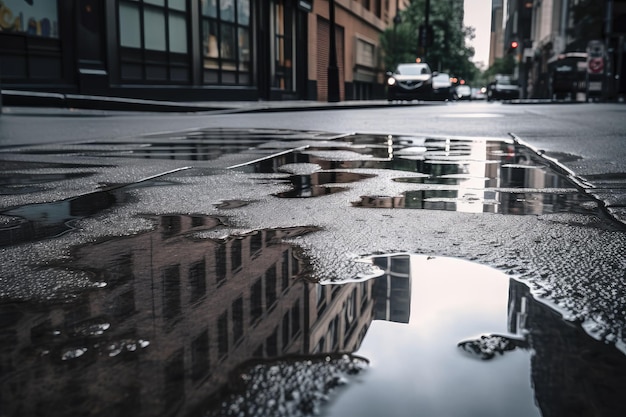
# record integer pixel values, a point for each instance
(514, 44)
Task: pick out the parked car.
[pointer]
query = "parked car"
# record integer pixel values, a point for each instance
(410, 81)
(479, 93)
(502, 88)
(442, 87)
(463, 92)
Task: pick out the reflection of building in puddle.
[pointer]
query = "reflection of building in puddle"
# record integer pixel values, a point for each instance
(179, 314)
(465, 175)
(572, 373)
(320, 183)
(392, 291)
(490, 177)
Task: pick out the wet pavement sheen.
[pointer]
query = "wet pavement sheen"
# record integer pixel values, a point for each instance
(183, 322)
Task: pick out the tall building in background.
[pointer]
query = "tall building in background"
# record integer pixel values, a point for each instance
(567, 49)
(496, 42)
(192, 49)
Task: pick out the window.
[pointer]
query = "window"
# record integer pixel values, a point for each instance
(171, 292)
(222, 334)
(220, 264)
(226, 41)
(270, 286)
(154, 40)
(256, 300)
(30, 18)
(200, 356)
(237, 319)
(283, 50)
(236, 255)
(197, 280)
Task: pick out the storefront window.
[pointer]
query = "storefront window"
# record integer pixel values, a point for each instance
(154, 35)
(226, 41)
(38, 18)
(178, 34)
(130, 26)
(154, 40)
(282, 65)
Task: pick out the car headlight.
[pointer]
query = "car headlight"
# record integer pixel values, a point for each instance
(391, 81)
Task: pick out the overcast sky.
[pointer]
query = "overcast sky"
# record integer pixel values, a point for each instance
(478, 15)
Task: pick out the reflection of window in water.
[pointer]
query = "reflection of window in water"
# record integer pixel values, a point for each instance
(220, 267)
(236, 255)
(197, 280)
(237, 319)
(256, 301)
(200, 361)
(171, 291)
(222, 335)
(270, 286)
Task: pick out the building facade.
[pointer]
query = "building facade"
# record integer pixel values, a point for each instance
(201, 50)
(572, 49)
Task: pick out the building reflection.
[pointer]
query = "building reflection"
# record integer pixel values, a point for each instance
(179, 314)
(456, 174)
(571, 373)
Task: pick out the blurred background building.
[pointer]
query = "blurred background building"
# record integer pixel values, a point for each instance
(563, 49)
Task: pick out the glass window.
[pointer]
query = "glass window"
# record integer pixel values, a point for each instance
(178, 34)
(154, 22)
(31, 18)
(130, 25)
(228, 45)
(243, 12)
(226, 41)
(282, 64)
(209, 8)
(244, 50)
(154, 25)
(227, 10)
(178, 5)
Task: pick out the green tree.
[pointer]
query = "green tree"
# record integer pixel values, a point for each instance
(505, 65)
(447, 52)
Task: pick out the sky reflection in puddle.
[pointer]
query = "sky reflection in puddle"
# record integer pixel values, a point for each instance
(187, 320)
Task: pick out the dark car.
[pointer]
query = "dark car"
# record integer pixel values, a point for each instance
(503, 88)
(412, 81)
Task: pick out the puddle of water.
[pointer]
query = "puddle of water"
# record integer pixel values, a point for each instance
(189, 323)
(12, 183)
(320, 183)
(193, 145)
(34, 222)
(467, 175)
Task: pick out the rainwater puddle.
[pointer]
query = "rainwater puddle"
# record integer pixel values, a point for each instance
(193, 145)
(20, 177)
(454, 174)
(34, 222)
(190, 321)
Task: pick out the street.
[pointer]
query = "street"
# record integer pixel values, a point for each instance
(462, 259)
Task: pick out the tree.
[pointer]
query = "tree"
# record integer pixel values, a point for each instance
(505, 65)
(447, 51)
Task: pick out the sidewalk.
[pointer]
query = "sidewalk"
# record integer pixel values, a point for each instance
(14, 98)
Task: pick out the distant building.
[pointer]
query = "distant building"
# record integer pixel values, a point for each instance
(203, 50)
(558, 39)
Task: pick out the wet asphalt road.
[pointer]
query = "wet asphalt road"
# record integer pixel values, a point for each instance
(111, 195)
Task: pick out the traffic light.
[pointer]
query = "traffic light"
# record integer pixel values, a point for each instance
(514, 45)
